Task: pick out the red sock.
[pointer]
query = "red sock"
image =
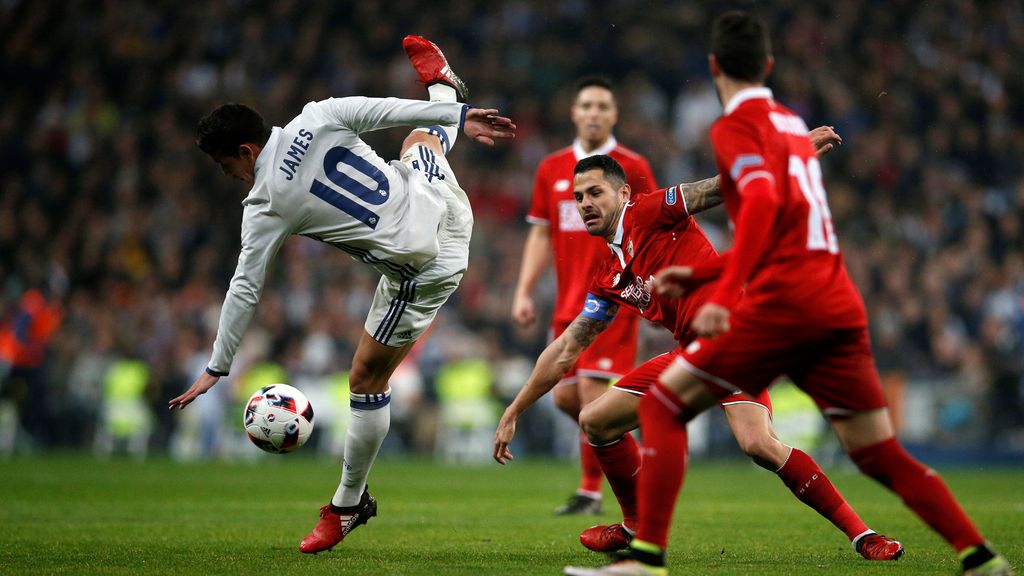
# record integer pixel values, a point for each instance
(620, 462)
(809, 484)
(590, 480)
(664, 463)
(921, 489)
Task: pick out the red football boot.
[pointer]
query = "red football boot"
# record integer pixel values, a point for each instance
(606, 538)
(332, 528)
(878, 547)
(431, 64)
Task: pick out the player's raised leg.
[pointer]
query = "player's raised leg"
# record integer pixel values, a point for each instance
(369, 404)
(443, 85)
(869, 440)
(750, 421)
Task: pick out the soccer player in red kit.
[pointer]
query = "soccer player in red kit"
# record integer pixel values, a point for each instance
(644, 236)
(799, 315)
(557, 231)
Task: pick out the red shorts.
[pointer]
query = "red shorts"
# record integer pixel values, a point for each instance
(645, 375)
(833, 366)
(610, 355)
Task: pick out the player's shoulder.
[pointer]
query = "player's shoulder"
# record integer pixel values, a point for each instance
(745, 119)
(626, 153)
(559, 156)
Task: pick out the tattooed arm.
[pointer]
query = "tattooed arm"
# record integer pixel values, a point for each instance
(699, 196)
(551, 366)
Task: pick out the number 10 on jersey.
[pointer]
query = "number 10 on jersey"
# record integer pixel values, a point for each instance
(820, 233)
(356, 186)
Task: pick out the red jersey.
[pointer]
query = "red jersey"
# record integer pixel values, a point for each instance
(785, 249)
(577, 254)
(655, 231)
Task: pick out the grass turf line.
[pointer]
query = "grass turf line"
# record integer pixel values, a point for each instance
(75, 515)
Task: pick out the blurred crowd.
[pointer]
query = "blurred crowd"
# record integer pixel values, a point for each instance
(118, 237)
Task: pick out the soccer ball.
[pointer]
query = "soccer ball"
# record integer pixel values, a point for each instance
(278, 418)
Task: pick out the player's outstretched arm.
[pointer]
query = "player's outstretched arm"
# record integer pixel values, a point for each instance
(551, 366)
(705, 194)
(200, 386)
(485, 126)
(699, 196)
(824, 139)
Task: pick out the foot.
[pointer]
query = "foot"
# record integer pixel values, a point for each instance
(626, 567)
(983, 561)
(432, 66)
(878, 547)
(606, 538)
(333, 527)
(579, 504)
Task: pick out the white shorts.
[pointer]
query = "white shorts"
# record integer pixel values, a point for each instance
(402, 310)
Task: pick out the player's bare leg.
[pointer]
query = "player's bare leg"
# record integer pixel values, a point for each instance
(752, 426)
(869, 439)
(370, 397)
(570, 398)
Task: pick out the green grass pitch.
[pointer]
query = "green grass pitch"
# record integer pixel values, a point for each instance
(75, 515)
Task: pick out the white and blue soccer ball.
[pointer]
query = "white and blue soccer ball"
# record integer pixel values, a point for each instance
(278, 418)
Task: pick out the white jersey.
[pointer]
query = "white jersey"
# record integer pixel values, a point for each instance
(317, 178)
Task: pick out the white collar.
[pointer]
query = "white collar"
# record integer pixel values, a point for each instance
(265, 155)
(608, 146)
(747, 94)
(616, 244)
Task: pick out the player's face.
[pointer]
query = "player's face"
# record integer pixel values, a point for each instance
(241, 167)
(599, 202)
(594, 114)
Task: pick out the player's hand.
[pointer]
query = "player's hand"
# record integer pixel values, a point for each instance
(200, 386)
(524, 312)
(711, 320)
(673, 281)
(485, 126)
(503, 437)
(824, 139)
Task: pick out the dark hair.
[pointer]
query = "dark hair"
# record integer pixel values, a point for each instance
(599, 81)
(609, 167)
(222, 131)
(740, 43)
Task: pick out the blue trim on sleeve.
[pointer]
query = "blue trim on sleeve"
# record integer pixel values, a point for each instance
(744, 161)
(215, 373)
(598, 308)
(462, 118)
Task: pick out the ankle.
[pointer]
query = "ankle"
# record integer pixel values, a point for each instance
(974, 556)
(647, 553)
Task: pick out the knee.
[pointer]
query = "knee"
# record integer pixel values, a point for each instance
(881, 461)
(595, 428)
(567, 400)
(765, 450)
(419, 137)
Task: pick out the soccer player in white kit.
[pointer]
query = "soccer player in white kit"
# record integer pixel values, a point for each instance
(409, 219)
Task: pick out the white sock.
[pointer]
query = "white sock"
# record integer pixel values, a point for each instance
(371, 419)
(440, 92)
